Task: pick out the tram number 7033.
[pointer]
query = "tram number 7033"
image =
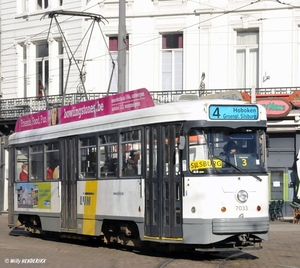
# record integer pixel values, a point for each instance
(241, 208)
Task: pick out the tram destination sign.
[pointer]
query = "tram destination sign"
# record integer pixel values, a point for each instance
(233, 112)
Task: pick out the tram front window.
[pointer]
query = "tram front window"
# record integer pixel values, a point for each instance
(224, 150)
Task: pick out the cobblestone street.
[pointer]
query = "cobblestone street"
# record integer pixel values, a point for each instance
(18, 249)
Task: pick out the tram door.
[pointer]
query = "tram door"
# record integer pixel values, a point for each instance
(68, 175)
(163, 215)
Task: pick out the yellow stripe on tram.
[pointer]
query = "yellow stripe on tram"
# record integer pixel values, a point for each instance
(164, 238)
(172, 238)
(90, 206)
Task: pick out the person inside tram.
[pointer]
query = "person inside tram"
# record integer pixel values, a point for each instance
(132, 163)
(24, 173)
(49, 174)
(56, 173)
(230, 149)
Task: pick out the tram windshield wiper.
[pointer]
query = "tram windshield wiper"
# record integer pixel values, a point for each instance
(237, 168)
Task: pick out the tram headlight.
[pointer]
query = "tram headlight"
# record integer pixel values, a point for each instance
(242, 196)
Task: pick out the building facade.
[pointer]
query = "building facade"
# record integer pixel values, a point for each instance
(172, 46)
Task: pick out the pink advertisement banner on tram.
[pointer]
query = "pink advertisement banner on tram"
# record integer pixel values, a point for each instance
(118, 103)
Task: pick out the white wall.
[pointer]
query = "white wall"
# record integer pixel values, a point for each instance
(209, 42)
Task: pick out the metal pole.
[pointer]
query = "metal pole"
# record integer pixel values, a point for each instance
(122, 47)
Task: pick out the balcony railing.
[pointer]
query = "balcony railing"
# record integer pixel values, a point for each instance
(11, 109)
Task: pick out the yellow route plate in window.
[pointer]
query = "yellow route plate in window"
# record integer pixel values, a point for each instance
(203, 164)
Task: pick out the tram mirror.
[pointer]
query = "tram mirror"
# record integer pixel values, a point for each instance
(267, 141)
(181, 143)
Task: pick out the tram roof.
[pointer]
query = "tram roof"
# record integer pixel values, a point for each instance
(169, 112)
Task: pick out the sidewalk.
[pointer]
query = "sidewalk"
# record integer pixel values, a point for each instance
(285, 225)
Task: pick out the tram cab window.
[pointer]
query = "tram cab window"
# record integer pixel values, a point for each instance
(198, 147)
(207, 150)
(108, 150)
(21, 172)
(36, 162)
(131, 153)
(88, 158)
(52, 161)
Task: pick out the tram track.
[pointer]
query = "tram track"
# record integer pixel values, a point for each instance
(234, 260)
(220, 259)
(229, 258)
(164, 263)
(241, 260)
(197, 259)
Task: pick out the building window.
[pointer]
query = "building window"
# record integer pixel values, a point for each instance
(42, 67)
(276, 177)
(30, 6)
(24, 5)
(172, 62)
(247, 59)
(42, 4)
(113, 48)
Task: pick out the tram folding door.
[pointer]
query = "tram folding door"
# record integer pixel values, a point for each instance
(68, 168)
(163, 215)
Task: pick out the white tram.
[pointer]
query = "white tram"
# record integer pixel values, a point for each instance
(182, 193)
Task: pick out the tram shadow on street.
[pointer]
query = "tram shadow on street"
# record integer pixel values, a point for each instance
(57, 237)
(196, 255)
(199, 255)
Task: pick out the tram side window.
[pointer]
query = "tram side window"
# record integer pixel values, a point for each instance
(52, 161)
(21, 164)
(155, 153)
(88, 158)
(147, 140)
(108, 155)
(151, 151)
(36, 162)
(171, 152)
(131, 153)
